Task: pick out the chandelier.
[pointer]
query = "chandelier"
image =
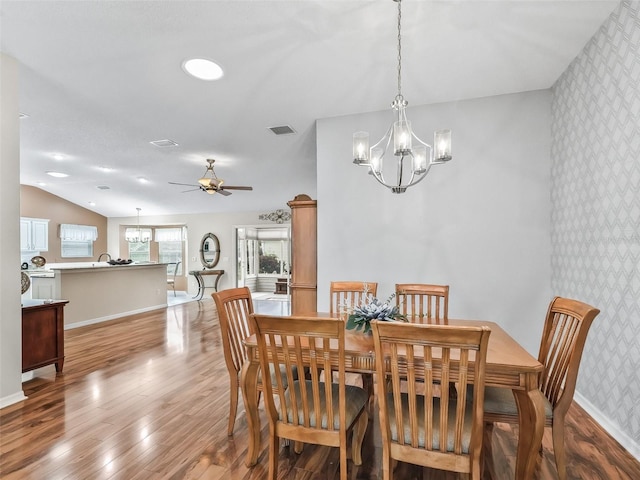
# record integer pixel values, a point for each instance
(138, 235)
(415, 157)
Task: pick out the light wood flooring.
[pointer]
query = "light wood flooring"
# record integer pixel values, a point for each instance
(146, 397)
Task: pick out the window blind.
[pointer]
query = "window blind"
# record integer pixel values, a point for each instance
(78, 233)
(169, 234)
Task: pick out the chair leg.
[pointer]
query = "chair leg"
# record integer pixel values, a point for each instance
(359, 431)
(233, 406)
(385, 464)
(557, 432)
(368, 386)
(274, 447)
(343, 459)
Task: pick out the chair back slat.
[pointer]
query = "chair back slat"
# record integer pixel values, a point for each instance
(421, 416)
(565, 333)
(423, 303)
(346, 295)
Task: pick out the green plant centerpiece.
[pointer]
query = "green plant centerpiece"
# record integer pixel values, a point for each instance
(373, 309)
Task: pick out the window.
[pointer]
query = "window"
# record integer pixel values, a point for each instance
(77, 240)
(140, 251)
(273, 257)
(169, 247)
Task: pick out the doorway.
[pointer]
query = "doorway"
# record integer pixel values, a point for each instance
(263, 264)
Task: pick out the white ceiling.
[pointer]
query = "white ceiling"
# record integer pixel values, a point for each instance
(100, 80)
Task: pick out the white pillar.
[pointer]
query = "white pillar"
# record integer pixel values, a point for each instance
(10, 310)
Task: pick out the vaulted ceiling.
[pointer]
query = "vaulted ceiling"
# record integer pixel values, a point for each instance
(100, 80)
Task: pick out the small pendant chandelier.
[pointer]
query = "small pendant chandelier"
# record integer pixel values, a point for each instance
(138, 235)
(406, 145)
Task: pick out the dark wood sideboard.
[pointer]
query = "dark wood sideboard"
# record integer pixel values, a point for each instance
(42, 334)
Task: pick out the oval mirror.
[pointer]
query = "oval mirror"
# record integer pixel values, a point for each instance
(209, 250)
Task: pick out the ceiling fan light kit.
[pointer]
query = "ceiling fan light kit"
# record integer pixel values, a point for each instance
(406, 145)
(211, 184)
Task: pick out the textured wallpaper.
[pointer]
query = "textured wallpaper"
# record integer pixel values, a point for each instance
(595, 223)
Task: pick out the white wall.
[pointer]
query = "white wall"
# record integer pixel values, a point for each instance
(221, 224)
(10, 313)
(480, 223)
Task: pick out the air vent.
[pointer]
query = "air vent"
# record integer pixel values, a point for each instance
(104, 187)
(164, 143)
(282, 130)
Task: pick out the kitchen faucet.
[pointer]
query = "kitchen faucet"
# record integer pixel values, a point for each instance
(100, 256)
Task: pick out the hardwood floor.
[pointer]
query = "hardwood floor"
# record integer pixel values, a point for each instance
(146, 397)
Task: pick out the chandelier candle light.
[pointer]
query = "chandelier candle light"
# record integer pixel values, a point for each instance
(138, 235)
(406, 145)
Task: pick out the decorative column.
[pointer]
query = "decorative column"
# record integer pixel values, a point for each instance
(304, 255)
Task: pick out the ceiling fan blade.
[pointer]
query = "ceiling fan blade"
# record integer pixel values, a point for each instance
(192, 190)
(234, 187)
(185, 184)
(222, 192)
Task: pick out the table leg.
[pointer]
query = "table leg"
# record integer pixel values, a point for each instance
(249, 384)
(200, 281)
(531, 422)
(215, 287)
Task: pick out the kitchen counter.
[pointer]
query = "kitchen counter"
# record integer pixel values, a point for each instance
(98, 292)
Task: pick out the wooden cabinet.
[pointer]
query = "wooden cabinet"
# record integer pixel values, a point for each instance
(304, 255)
(34, 234)
(42, 334)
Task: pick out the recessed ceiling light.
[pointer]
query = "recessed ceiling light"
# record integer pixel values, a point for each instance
(42, 184)
(105, 168)
(58, 156)
(57, 174)
(203, 69)
(164, 143)
(23, 115)
(143, 180)
(93, 204)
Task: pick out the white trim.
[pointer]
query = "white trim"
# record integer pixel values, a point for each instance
(611, 427)
(11, 399)
(91, 321)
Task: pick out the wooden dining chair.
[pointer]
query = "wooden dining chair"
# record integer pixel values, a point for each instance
(417, 425)
(234, 307)
(563, 338)
(309, 410)
(423, 303)
(346, 295)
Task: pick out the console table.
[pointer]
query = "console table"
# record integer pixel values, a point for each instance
(42, 334)
(198, 274)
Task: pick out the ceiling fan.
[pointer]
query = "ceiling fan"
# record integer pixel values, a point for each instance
(211, 184)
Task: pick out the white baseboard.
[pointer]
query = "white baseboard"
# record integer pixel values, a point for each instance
(612, 428)
(91, 321)
(11, 399)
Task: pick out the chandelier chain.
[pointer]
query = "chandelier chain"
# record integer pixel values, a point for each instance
(401, 142)
(399, 50)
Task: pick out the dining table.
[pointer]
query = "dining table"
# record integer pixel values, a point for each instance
(508, 365)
